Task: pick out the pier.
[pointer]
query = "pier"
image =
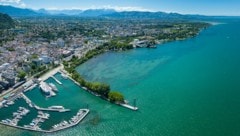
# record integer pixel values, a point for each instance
(30, 88)
(129, 106)
(31, 104)
(56, 80)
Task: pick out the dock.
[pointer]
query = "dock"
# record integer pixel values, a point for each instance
(56, 80)
(129, 106)
(82, 113)
(40, 108)
(30, 88)
(27, 100)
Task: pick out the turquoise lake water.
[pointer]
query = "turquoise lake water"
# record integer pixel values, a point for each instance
(183, 88)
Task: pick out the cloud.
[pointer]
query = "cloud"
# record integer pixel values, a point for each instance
(17, 3)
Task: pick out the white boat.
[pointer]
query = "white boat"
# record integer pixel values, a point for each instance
(45, 88)
(10, 103)
(54, 88)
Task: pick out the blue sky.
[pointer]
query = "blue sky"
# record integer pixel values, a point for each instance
(205, 7)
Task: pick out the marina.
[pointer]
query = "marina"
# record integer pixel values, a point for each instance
(35, 124)
(42, 105)
(32, 117)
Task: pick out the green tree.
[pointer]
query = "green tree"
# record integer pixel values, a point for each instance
(115, 96)
(21, 75)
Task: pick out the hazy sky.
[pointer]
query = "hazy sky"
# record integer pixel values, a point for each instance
(205, 7)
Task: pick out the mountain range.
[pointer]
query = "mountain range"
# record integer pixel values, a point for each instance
(107, 13)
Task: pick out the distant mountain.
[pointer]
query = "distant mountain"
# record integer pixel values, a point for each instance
(146, 15)
(77, 12)
(70, 12)
(104, 13)
(6, 21)
(13, 11)
(97, 12)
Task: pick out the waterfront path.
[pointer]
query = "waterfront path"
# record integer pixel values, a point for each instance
(51, 73)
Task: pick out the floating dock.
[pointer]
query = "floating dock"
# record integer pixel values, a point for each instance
(56, 80)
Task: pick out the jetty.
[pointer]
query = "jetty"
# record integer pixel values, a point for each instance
(129, 106)
(56, 80)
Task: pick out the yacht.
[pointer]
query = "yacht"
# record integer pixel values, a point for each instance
(54, 88)
(45, 88)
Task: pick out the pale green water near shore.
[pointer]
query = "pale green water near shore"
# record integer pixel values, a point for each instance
(184, 88)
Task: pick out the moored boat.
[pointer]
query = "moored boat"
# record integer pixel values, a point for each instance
(45, 88)
(54, 88)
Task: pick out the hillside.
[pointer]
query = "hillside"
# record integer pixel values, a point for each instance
(6, 21)
(13, 11)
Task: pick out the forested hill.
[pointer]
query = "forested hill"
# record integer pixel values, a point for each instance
(6, 21)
